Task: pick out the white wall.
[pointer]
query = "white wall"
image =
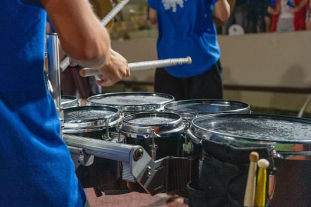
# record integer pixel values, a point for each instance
(268, 60)
(277, 60)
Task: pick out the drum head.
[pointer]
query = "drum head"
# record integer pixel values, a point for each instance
(189, 109)
(88, 117)
(140, 125)
(69, 101)
(131, 101)
(282, 132)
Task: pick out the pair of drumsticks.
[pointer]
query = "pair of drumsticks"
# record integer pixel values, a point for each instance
(255, 193)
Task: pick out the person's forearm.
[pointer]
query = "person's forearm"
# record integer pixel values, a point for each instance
(222, 10)
(81, 34)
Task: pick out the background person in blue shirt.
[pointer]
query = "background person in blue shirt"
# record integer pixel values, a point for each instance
(36, 166)
(186, 28)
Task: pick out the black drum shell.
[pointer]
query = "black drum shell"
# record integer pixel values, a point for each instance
(169, 140)
(293, 183)
(169, 137)
(166, 146)
(101, 171)
(292, 156)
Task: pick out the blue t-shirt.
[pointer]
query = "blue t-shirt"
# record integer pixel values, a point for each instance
(36, 166)
(186, 28)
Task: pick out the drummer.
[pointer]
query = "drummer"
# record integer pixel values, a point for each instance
(37, 169)
(186, 28)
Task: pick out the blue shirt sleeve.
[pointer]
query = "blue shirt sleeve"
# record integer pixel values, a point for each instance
(153, 4)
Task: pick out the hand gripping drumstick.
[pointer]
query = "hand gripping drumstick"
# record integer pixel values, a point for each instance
(260, 198)
(251, 180)
(66, 61)
(85, 72)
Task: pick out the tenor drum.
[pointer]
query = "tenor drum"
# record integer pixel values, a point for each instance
(94, 122)
(289, 138)
(159, 133)
(189, 109)
(132, 102)
(69, 101)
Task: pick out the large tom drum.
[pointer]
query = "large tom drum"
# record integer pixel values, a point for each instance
(288, 137)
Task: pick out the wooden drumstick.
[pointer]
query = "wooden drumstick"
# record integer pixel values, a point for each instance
(260, 198)
(85, 72)
(251, 180)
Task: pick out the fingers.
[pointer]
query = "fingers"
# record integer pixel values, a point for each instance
(104, 83)
(107, 81)
(73, 64)
(115, 69)
(127, 71)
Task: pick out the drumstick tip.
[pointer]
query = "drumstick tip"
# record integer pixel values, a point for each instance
(189, 60)
(263, 163)
(82, 72)
(253, 156)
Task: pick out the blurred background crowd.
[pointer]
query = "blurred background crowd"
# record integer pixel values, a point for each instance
(248, 16)
(257, 16)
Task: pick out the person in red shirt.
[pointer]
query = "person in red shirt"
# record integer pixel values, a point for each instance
(300, 9)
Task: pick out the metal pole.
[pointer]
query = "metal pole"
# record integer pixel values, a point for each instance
(54, 73)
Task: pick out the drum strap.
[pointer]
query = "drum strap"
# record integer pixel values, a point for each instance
(223, 177)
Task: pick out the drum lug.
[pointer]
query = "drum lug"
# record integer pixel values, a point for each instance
(119, 133)
(187, 124)
(153, 146)
(274, 153)
(187, 147)
(107, 137)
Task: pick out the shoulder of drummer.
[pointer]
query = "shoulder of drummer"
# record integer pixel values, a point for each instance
(222, 9)
(80, 32)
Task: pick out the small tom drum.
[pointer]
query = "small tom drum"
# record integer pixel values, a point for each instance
(189, 109)
(94, 122)
(69, 101)
(132, 102)
(159, 133)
